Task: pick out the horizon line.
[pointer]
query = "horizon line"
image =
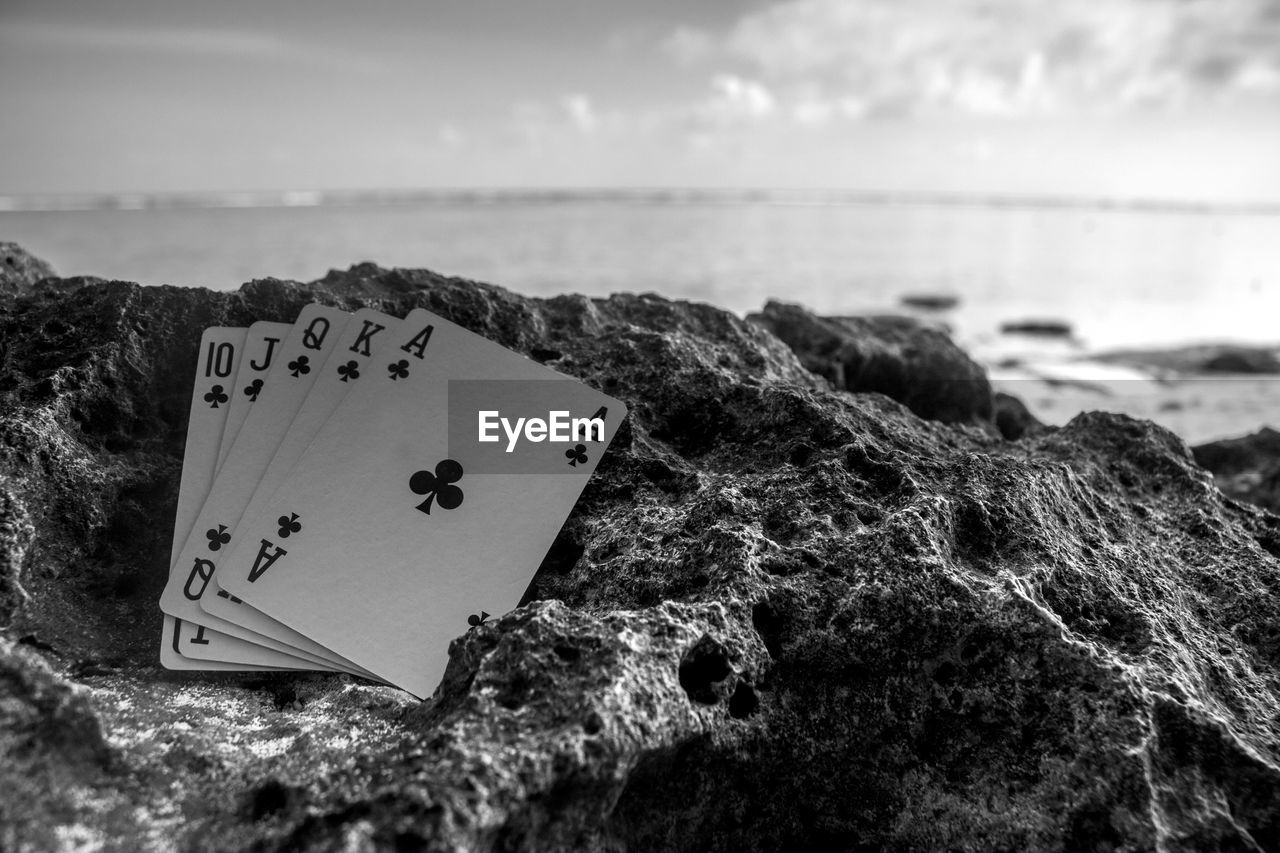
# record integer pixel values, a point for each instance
(220, 199)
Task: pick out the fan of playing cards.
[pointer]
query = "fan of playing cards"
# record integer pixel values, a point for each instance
(357, 490)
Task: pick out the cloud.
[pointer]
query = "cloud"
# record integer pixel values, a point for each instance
(807, 71)
(825, 59)
(449, 135)
(735, 99)
(216, 43)
(729, 103)
(220, 42)
(580, 112)
(687, 45)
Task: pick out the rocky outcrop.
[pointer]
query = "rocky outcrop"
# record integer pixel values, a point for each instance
(1246, 468)
(1012, 417)
(911, 362)
(781, 615)
(19, 269)
(1243, 360)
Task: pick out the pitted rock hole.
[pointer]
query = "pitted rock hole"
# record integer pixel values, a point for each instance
(744, 701)
(702, 668)
(542, 355)
(270, 797)
(568, 653)
(768, 622)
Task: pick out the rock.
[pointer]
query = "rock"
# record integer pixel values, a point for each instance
(781, 616)
(1037, 328)
(1246, 468)
(19, 269)
(1013, 418)
(899, 357)
(930, 301)
(1197, 359)
(52, 749)
(1243, 360)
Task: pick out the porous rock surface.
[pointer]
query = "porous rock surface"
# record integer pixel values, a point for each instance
(19, 268)
(782, 616)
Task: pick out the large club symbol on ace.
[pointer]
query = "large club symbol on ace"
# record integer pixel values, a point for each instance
(438, 487)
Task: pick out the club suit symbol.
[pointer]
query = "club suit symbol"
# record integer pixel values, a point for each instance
(350, 370)
(215, 396)
(299, 366)
(438, 487)
(399, 369)
(253, 389)
(217, 536)
(289, 525)
(577, 455)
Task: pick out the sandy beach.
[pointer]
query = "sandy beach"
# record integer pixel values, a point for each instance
(1201, 391)
(1198, 408)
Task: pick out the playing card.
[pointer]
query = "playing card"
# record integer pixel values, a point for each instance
(260, 348)
(362, 340)
(303, 353)
(390, 537)
(221, 349)
(311, 340)
(184, 647)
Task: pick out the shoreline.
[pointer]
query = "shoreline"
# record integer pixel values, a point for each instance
(1201, 392)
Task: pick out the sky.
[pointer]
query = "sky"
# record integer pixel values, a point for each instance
(1121, 98)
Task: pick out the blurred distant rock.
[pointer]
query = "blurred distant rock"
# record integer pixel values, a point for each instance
(1246, 468)
(1243, 360)
(1013, 418)
(1037, 328)
(19, 269)
(1198, 359)
(900, 357)
(930, 301)
(781, 617)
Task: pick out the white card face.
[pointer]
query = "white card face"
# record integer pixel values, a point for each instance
(221, 349)
(261, 346)
(302, 355)
(389, 539)
(361, 343)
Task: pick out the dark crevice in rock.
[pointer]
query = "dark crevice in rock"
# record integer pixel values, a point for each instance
(703, 668)
(769, 622)
(268, 799)
(744, 701)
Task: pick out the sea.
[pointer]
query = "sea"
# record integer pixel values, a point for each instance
(1113, 274)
